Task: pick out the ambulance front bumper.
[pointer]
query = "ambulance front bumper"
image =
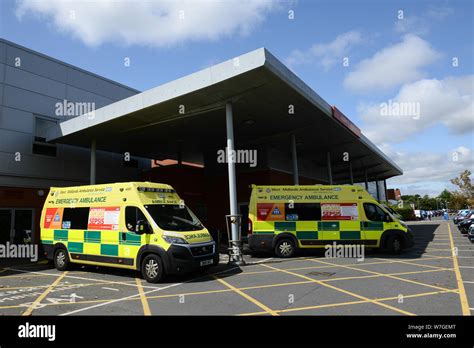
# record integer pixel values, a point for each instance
(190, 257)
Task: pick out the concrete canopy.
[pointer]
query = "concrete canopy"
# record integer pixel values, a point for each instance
(261, 90)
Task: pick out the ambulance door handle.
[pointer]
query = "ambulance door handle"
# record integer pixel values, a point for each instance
(124, 236)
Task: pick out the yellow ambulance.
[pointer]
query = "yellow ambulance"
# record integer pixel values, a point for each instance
(135, 225)
(283, 219)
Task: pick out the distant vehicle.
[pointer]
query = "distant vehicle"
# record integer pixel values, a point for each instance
(470, 233)
(420, 214)
(464, 224)
(461, 215)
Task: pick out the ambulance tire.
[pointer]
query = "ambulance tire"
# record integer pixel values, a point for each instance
(152, 268)
(285, 247)
(394, 244)
(61, 259)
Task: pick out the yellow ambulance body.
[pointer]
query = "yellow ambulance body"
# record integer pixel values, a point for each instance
(135, 225)
(283, 219)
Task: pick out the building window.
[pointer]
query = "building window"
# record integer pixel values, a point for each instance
(75, 218)
(40, 146)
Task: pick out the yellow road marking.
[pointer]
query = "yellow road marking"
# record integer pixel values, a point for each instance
(331, 305)
(40, 298)
(223, 290)
(354, 264)
(244, 295)
(437, 249)
(143, 299)
(423, 265)
(343, 291)
(462, 291)
(24, 275)
(389, 276)
(81, 278)
(64, 284)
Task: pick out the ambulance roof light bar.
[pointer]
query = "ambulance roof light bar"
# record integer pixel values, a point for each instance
(154, 189)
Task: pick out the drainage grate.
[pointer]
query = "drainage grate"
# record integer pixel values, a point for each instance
(324, 274)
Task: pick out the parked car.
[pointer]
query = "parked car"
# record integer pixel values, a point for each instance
(420, 214)
(465, 224)
(461, 215)
(470, 233)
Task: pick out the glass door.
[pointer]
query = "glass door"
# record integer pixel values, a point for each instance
(23, 226)
(6, 223)
(16, 225)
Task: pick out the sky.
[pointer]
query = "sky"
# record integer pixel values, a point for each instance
(400, 70)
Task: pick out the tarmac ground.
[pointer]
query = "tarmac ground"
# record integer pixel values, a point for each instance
(435, 277)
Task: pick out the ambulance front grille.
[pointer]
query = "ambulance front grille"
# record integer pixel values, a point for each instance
(202, 250)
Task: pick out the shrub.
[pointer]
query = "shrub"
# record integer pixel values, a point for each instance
(406, 213)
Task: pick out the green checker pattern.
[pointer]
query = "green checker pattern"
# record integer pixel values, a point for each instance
(331, 226)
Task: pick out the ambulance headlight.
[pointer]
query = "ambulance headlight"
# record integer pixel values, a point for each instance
(174, 240)
(403, 223)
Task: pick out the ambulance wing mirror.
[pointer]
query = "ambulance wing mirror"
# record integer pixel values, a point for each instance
(143, 227)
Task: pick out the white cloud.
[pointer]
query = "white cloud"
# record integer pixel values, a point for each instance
(392, 66)
(151, 23)
(429, 173)
(448, 102)
(326, 54)
(421, 24)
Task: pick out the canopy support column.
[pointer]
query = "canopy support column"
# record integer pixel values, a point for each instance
(236, 255)
(366, 181)
(92, 178)
(179, 153)
(294, 160)
(329, 168)
(378, 188)
(350, 173)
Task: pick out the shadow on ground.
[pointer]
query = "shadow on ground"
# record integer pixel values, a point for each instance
(423, 233)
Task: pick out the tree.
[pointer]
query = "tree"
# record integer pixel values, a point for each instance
(445, 199)
(445, 196)
(459, 201)
(466, 190)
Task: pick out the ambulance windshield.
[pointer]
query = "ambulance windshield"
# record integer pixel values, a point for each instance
(174, 217)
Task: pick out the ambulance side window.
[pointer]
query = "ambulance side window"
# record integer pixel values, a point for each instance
(374, 213)
(75, 218)
(132, 216)
(303, 212)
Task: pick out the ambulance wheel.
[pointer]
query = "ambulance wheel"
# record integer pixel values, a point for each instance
(152, 268)
(394, 245)
(285, 247)
(61, 259)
